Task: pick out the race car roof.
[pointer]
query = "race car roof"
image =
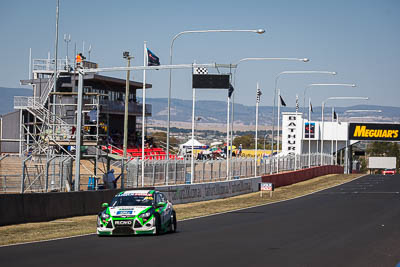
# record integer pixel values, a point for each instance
(136, 192)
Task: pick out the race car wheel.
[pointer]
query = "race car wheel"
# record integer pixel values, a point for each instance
(157, 223)
(173, 222)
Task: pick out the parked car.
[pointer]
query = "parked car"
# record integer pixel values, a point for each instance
(389, 171)
(137, 212)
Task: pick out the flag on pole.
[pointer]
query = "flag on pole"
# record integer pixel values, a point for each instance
(259, 93)
(311, 107)
(297, 103)
(334, 115)
(152, 59)
(200, 70)
(230, 90)
(282, 102)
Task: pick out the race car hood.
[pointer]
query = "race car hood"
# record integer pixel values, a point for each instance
(129, 211)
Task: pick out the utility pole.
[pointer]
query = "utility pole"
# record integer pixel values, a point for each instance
(126, 115)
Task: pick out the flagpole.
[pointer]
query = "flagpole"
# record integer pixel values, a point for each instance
(227, 139)
(337, 124)
(277, 134)
(255, 156)
(297, 107)
(309, 132)
(192, 158)
(144, 107)
(333, 110)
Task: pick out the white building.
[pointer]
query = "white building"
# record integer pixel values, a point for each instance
(295, 139)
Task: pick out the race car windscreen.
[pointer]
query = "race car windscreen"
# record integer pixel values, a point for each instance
(132, 200)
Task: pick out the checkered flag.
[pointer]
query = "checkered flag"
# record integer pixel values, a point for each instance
(200, 70)
(259, 93)
(297, 103)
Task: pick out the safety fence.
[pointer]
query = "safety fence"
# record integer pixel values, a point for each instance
(162, 172)
(46, 174)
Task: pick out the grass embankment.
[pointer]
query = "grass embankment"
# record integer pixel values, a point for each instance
(28, 232)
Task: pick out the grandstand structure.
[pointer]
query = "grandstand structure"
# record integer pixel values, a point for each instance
(40, 135)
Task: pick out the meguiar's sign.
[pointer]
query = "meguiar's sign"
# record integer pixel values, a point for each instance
(374, 131)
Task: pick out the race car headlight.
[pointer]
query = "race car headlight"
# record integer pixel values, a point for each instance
(105, 216)
(145, 215)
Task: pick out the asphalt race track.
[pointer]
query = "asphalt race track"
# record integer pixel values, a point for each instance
(356, 224)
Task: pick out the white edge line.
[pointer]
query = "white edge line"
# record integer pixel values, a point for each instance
(188, 219)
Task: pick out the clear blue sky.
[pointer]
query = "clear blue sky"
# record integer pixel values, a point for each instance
(358, 39)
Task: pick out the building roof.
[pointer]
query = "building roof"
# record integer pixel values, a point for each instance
(97, 81)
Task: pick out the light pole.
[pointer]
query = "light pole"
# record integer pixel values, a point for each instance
(323, 106)
(322, 84)
(126, 115)
(234, 83)
(67, 40)
(258, 31)
(275, 92)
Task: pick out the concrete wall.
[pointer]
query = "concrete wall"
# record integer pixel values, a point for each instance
(23, 208)
(36, 207)
(293, 177)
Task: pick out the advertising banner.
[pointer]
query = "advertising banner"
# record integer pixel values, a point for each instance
(374, 131)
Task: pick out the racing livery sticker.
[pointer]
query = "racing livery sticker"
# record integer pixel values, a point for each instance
(374, 131)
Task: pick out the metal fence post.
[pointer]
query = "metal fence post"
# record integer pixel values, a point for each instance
(23, 177)
(154, 173)
(122, 175)
(176, 170)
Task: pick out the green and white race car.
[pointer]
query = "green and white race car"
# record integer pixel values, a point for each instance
(137, 212)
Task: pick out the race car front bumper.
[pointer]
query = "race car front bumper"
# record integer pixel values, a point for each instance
(125, 227)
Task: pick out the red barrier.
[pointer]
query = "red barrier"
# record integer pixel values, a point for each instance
(288, 178)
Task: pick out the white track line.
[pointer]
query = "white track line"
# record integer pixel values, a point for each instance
(194, 218)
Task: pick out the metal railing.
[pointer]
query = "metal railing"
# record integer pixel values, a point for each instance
(179, 171)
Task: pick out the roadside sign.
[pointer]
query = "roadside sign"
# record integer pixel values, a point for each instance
(266, 187)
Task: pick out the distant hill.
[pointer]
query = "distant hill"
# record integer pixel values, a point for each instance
(7, 98)
(215, 111)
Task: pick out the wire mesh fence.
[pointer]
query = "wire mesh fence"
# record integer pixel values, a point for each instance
(46, 174)
(162, 172)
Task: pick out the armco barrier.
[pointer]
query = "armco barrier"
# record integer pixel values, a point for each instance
(288, 178)
(37, 207)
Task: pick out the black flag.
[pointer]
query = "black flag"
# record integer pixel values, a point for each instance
(334, 115)
(311, 108)
(152, 59)
(230, 90)
(282, 102)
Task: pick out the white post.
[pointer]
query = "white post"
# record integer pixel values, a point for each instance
(30, 63)
(309, 132)
(337, 125)
(333, 110)
(322, 131)
(227, 139)
(277, 134)
(144, 108)
(256, 141)
(192, 160)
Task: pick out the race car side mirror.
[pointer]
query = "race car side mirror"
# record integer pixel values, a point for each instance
(104, 205)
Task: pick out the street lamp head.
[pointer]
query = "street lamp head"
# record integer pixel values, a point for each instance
(260, 31)
(334, 73)
(305, 59)
(353, 85)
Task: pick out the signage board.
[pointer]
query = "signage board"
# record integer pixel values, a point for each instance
(266, 187)
(374, 131)
(211, 81)
(309, 130)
